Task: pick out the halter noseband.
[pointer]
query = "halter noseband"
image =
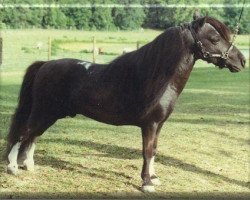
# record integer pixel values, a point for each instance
(207, 54)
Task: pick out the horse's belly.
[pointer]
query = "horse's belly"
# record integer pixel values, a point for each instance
(108, 118)
(106, 112)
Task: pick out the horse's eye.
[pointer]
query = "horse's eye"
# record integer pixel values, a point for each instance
(215, 40)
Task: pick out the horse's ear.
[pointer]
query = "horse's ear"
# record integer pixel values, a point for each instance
(198, 23)
(196, 15)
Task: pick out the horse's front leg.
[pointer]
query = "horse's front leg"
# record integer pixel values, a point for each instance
(154, 179)
(148, 173)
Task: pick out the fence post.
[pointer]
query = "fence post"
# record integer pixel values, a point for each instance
(137, 45)
(1, 49)
(49, 48)
(94, 51)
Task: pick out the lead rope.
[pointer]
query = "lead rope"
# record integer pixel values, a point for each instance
(236, 30)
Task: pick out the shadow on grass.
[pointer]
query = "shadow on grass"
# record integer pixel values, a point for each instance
(212, 121)
(118, 152)
(231, 137)
(78, 168)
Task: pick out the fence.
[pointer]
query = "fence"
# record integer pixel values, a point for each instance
(19, 48)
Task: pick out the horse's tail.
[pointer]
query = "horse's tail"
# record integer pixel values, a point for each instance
(21, 115)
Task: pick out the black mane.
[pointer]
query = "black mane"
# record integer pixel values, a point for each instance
(152, 62)
(158, 55)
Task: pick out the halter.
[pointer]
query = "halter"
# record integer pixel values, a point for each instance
(207, 54)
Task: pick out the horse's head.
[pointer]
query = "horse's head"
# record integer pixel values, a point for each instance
(212, 44)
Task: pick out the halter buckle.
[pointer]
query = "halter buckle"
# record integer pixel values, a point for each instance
(206, 54)
(225, 55)
(199, 44)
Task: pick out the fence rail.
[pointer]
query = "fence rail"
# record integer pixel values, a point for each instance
(18, 54)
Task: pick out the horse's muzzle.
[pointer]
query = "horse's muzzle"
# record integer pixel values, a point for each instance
(239, 66)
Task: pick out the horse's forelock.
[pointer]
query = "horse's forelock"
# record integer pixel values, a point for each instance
(222, 29)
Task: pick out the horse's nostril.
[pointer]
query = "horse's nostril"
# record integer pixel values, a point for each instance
(243, 62)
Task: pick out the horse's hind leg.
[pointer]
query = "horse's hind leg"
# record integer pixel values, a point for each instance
(12, 167)
(17, 130)
(18, 157)
(23, 150)
(15, 139)
(21, 155)
(25, 156)
(36, 127)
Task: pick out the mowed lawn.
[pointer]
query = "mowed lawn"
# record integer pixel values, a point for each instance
(203, 147)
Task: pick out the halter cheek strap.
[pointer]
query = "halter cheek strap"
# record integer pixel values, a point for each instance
(207, 54)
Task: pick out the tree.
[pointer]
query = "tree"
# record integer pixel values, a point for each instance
(231, 16)
(128, 18)
(124, 18)
(101, 17)
(78, 17)
(54, 17)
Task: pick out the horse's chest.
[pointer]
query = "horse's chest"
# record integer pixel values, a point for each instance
(168, 99)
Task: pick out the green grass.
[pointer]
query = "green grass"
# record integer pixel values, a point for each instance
(203, 147)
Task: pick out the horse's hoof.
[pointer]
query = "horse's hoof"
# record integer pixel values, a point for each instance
(29, 166)
(12, 170)
(148, 188)
(156, 181)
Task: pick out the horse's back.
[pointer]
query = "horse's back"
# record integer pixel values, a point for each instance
(61, 66)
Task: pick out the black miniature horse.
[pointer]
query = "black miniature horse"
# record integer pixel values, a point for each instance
(139, 88)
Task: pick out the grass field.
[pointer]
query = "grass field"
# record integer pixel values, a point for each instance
(203, 147)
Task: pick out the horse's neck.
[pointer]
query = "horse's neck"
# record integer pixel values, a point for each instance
(157, 87)
(183, 68)
(168, 94)
(182, 72)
